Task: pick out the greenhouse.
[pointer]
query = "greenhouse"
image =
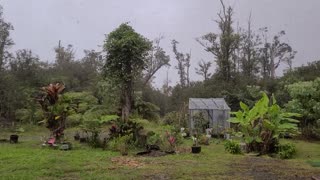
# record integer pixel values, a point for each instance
(215, 113)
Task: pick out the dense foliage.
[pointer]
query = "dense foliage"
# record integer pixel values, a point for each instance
(306, 101)
(263, 125)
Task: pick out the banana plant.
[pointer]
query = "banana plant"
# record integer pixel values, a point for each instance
(263, 124)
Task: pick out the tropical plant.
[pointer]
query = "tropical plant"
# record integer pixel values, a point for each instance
(54, 112)
(262, 125)
(171, 140)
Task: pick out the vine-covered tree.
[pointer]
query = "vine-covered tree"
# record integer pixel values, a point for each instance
(126, 57)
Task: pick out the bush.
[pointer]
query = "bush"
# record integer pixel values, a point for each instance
(204, 140)
(124, 143)
(286, 151)
(175, 119)
(232, 147)
(154, 139)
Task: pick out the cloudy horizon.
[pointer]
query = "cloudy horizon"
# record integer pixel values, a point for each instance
(40, 24)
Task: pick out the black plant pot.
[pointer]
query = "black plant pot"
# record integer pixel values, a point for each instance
(14, 138)
(196, 149)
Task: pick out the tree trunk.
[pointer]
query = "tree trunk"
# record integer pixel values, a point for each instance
(126, 101)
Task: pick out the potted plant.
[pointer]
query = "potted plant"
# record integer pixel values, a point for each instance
(199, 121)
(195, 147)
(14, 137)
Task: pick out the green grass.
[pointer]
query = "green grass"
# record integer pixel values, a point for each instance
(28, 160)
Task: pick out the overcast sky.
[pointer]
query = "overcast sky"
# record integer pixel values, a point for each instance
(40, 24)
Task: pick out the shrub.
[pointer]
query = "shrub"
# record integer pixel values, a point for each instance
(204, 140)
(154, 139)
(124, 143)
(286, 151)
(232, 147)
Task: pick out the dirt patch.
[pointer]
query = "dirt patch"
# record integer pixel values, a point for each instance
(181, 150)
(264, 168)
(126, 161)
(153, 153)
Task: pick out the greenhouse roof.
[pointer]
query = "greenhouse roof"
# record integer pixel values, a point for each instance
(208, 103)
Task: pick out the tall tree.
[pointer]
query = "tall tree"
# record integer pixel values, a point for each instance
(203, 69)
(222, 45)
(64, 55)
(272, 54)
(249, 52)
(25, 66)
(156, 60)
(126, 57)
(5, 40)
(183, 64)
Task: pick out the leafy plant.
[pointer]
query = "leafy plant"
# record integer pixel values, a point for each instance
(306, 101)
(147, 110)
(286, 151)
(124, 144)
(232, 147)
(262, 125)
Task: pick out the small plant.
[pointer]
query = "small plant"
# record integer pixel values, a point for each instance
(204, 140)
(286, 151)
(195, 147)
(232, 147)
(195, 141)
(171, 140)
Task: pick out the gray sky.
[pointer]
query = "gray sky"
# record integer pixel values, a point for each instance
(40, 24)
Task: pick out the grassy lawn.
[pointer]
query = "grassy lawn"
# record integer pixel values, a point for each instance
(28, 160)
